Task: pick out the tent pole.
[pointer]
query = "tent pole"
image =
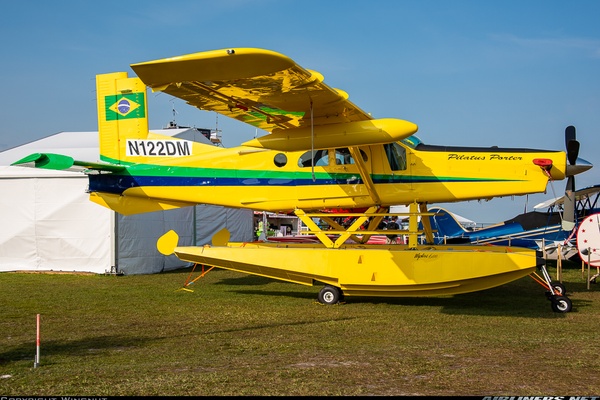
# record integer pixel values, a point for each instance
(194, 238)
(114, 242)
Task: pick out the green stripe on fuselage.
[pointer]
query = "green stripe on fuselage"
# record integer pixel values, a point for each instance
(135, 169)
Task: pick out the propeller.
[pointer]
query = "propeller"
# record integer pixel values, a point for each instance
(572, 145)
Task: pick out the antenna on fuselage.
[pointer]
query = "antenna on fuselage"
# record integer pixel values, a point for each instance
(173, 122)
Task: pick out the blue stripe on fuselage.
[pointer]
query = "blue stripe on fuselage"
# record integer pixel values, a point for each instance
(111, 183)
(114, 183)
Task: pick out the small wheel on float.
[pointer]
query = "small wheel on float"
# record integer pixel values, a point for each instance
(559, 288)
(330, 295)
(561, 304)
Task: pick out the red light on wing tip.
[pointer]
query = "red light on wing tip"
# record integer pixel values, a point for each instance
(545, 163)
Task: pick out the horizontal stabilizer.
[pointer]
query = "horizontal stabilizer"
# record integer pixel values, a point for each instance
(130, 205)
(62, 162)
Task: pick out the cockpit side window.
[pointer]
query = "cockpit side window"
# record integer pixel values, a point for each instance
(412, 141)
(321, 158)
(396, 156)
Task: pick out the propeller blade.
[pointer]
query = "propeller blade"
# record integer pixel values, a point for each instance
(572, 151)
(570, 184)
(569, 134)
(571, 144)
(568, 221)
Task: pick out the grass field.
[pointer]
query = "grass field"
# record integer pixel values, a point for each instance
(243, 335)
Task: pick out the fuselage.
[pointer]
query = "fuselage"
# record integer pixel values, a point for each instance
(400, 173)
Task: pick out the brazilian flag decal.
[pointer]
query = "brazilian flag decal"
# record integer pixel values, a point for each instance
(124, 106)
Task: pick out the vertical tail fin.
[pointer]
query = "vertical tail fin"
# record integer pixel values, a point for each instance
(122, 114)
(445, 223)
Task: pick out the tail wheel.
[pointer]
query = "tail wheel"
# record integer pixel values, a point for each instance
(561, 304)
(330, 295)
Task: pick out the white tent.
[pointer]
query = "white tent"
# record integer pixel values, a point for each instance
(49, 223)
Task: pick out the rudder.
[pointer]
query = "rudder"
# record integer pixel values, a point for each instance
(122, 114)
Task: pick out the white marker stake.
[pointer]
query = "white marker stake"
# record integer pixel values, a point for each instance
(36, 363)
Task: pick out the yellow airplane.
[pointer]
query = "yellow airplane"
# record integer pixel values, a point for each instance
(321, 152)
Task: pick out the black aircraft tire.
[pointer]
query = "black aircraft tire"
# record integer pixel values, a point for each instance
(330, 295)
(561, 304)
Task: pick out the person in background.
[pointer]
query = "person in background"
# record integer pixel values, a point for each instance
(260, 229)
(392, 226)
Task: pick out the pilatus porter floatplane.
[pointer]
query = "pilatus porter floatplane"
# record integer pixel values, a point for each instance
(321, 153)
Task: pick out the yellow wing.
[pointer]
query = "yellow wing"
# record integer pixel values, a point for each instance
(260, 87)
(270, 91)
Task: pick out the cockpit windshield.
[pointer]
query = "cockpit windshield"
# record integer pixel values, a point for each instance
(411, 141)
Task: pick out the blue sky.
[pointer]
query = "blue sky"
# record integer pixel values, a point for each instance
(468, 72)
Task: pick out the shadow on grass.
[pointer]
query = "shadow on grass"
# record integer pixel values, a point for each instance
(99, 346)
(464, 304)
(520, 298)
(254, 280)
(501, 305)
(84, 347)
(247, 280)
(279, 293)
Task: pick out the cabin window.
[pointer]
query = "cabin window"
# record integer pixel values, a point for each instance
(343, 156)
(280, 159)
(396, 156)
(320, 157)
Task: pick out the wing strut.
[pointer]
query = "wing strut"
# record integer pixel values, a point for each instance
(364, 174)
(336, 237)
(426, 222)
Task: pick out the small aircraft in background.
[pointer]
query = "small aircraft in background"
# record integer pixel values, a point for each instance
(541, 229)
(321, 152)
